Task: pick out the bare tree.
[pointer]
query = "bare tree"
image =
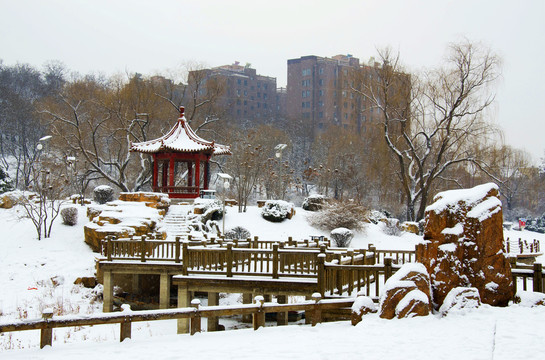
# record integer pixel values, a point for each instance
(429, 122)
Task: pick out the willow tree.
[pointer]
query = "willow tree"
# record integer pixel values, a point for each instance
(431, 120)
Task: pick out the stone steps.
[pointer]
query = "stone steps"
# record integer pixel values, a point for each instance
(175, 221)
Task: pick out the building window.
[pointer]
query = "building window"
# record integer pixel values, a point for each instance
(238, 92)
(344, 93)
(265, 105)
(320, 125)
(238, 102)
(320, 103)
(245, 93)
(245, 102)
(320, 114)
(321, 82)
(238, 81)
(321, 71)
(258, 105)
(259, 85)
(245, 82)
(321, 92)
(306, 72)
(345, 105)
(265, 96)
(238, 112)
(265, 86)
(259, 95)
(303, 104)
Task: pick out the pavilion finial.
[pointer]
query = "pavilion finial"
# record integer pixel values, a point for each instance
(182, 109)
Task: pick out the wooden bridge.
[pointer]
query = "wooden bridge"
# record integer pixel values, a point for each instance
(252, 267)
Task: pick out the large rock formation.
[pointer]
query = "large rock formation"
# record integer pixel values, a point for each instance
(136, 215)
(406, 293)
(464, 246)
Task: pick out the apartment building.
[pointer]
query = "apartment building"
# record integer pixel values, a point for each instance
(245, 95)
(320, 92)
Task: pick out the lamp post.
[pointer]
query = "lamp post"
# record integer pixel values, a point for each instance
(225, 178)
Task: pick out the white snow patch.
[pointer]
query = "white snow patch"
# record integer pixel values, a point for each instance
(449, 199)
(457, 229)
(448, 247)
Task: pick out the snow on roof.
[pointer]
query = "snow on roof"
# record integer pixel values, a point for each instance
(181, 138)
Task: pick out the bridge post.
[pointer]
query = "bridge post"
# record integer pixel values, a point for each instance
(247, 299)
(282, 317)
(275, 261)
(46, 334)
(213, 300)
(177, 250)
(317, 313)
(538, 277)
(184, 299)
(108, 292)
(164, 291)
(196, 317)
(321, 274)
(259, 316)
(387, 268)
(185, 257)
(229, 259)
(143, 248)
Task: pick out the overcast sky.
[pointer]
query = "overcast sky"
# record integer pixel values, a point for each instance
(150, 37)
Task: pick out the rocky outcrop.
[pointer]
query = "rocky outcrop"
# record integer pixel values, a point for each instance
(464, 245)
(315, 202)
(459, 299)
(406, 293)
(121, 219)
(11, 198)
(158, 201)
(363, 305)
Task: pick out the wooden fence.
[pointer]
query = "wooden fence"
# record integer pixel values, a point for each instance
(527, 272)
(514, 246)
(194, 313)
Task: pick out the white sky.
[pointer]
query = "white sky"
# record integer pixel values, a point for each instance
(152, 36)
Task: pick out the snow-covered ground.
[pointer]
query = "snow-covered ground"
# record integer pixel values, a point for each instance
(39, 274)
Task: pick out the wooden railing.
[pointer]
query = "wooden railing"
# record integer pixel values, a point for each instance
(527, 272)
(194, 313)
(513, 246)
(337, 278)
(187, 190)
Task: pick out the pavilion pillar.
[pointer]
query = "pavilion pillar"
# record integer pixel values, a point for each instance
(189, 173)
(198, 173)
(155, 173)
(206, 173)
(171, 171)
(164, 171)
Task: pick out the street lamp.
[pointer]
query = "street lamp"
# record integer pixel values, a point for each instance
(279, 148)
(225, 178)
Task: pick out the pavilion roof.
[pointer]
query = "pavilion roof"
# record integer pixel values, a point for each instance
(181, 138)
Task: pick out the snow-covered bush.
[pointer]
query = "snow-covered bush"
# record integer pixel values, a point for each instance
(277, 210)
(342, 236)
(103, 194)
(211, 209)
(392, 227)
(314, 202)
(69, 216)
(238, 232)
(5, 182)
(375, 216)
(335, 215)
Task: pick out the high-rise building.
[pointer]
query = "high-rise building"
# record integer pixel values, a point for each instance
(320, 92)
(245, 95)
